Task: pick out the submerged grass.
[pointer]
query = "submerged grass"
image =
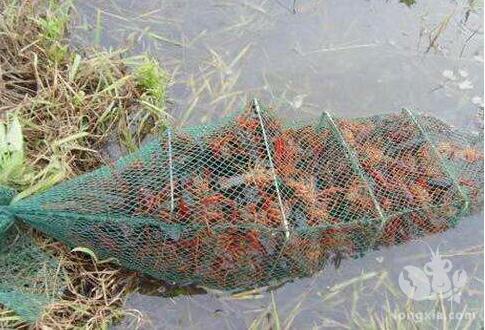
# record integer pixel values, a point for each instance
(393, 312)
(71, 105)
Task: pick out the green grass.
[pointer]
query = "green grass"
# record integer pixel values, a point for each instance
(152, 80)
(53, 27)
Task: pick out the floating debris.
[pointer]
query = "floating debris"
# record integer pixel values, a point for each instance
(465, 84)
(448, 74)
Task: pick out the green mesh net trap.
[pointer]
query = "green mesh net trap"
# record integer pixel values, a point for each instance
(30, 279)
(252, 201)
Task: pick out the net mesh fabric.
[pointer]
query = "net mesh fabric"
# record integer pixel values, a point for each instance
(251, 201)
(30, 279)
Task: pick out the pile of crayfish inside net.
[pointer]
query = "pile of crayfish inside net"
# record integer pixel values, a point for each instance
(252, 200)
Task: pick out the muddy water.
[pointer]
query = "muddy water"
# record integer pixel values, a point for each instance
(350, 57)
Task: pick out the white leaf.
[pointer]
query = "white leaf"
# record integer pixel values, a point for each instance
(14, 136)
(465, 84)
(448, 74)
(477, 100)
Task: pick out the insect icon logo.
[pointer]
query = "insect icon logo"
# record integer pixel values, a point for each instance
(433, 280)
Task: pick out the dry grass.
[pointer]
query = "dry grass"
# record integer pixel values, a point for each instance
(93, 296)
(70, 105)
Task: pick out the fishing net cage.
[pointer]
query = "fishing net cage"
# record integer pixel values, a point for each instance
(30, 278)
(252, 201)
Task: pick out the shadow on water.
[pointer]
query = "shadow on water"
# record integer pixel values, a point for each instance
(355, 58)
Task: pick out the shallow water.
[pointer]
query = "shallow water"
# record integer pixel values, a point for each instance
(353, 58)
(334, 298)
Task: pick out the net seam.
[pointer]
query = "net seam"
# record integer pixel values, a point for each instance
(350, 154)
(150, 221)
(441, 162)
(170, 162)
(273, 171)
